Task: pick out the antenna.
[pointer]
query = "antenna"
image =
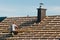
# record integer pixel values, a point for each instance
(41, 4)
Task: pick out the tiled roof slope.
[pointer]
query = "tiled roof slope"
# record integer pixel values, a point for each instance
(20, 21)
(49, 27)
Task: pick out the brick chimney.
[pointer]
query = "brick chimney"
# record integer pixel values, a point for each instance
(41, 13)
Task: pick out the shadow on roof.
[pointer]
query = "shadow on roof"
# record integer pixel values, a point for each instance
(2, 18)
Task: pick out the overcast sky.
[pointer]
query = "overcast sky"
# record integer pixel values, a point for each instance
(28, 7)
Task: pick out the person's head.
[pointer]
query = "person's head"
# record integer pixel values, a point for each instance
(14, 22)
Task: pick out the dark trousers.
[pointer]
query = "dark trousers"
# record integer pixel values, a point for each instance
(15, 32)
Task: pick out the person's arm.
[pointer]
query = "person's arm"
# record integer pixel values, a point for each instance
(16, 26)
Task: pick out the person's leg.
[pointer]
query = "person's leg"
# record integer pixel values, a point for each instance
(13, 32)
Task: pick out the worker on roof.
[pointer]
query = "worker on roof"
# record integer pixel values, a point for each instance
(13, 28)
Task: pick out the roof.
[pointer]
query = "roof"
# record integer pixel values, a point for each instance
(49, 27)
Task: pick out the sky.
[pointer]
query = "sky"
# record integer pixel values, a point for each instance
(11, 8)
